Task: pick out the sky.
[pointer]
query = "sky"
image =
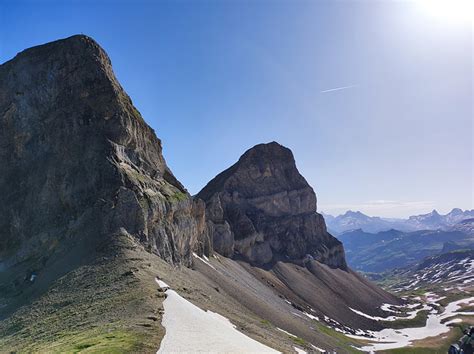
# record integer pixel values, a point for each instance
(374, 98)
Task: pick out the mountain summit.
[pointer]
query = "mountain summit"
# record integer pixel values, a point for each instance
(80, 167)
(262, 209)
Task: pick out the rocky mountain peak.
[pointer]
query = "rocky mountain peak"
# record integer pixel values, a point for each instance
(271, 155)
(455, 211)
(79, 163)
(262, 170)
(68, 51)
(263, 209)
(356, 214)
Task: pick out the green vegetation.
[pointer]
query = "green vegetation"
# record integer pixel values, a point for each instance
(103, 340)
(418, 321)
(417, 351)
(103, 307)
(299, 341)
(450, 297)
(436, 345)
(342, 340)
(137, 176)
(178, 196)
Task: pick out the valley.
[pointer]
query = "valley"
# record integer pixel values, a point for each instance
(431, 270)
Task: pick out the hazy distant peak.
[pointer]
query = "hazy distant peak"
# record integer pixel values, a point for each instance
(352, 220)
(455, 211)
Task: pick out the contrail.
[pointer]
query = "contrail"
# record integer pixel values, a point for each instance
(339, 88)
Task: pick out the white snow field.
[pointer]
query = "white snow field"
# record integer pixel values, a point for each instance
(192, 330)
(399, 338)
(162, 284)
(409, 315)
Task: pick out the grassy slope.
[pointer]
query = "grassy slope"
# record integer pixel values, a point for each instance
(102, 305)
(433, 345)
(418, 321)
(439, 344)
(344, 343)
(113, 305)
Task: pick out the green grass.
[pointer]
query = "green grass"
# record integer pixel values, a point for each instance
(417, 351)
(438, 348)
(101, 340)
(299, 341)
(178, 196)
(343, 341)
(104, 339)
(137, 176)
(418, 321)
(450, 297)
(98, 307)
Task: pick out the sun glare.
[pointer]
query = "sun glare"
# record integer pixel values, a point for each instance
(453, 11)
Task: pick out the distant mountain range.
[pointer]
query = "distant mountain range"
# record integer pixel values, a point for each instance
(353, 220)
(385, 250)
(451, 269)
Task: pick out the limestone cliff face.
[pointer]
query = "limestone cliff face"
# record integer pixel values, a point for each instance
(263, 209)
(78, 161)
(80, 165)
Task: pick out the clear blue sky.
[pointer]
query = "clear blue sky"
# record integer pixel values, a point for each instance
(214, 78)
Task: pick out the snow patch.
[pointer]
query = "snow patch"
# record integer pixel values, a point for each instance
(189, 329)
(399, 338)
(205, 260)
(282, 330)
(318, 349)
(162, 284)
(410, 315)
(311, 316)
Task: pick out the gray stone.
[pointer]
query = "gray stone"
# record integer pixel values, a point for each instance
(78, 161)
(263, 210)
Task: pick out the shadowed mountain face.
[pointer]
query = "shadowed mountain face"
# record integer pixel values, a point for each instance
(79, 165)
(262, 209)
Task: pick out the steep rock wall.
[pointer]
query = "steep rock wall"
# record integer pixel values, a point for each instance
(263, 210)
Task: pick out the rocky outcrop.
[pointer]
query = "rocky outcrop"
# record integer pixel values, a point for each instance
(79, 163)
(262, 209)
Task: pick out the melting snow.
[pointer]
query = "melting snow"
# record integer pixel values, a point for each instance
(318, 349)
(162, 284)
(311, 316)
(389, 308)
(410, 315)
(398, 338)
(292, 335)
(205, 260)
(192, 330)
